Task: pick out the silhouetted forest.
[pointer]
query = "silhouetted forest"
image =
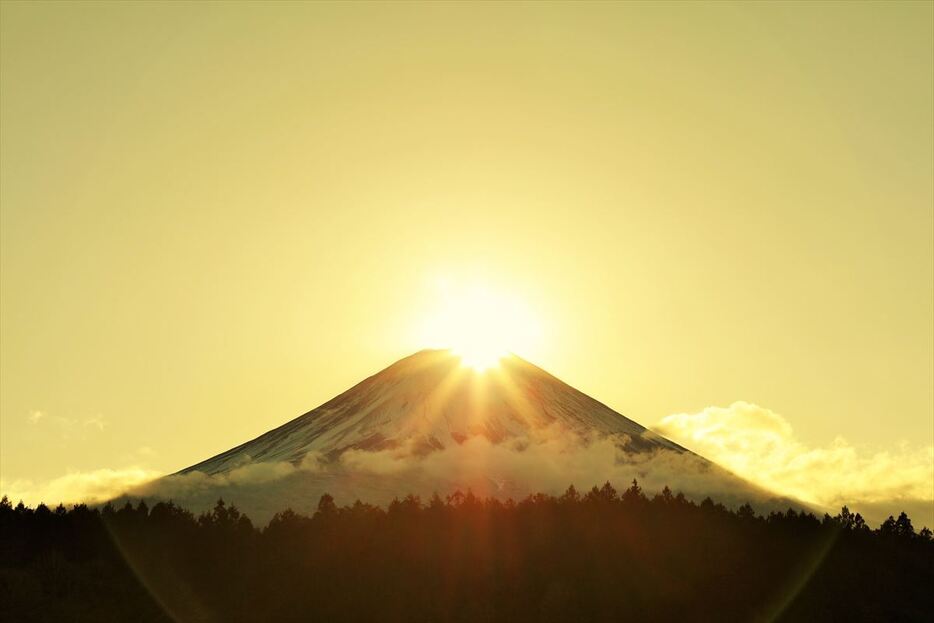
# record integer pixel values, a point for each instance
(601, 556)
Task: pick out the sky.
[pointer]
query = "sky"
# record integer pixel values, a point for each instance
(215, 217)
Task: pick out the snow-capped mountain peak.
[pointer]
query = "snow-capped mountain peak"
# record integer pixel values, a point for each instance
(430, 401)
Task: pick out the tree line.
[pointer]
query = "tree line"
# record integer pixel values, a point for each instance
(595, 556)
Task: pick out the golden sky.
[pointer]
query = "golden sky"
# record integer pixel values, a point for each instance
(214, 217)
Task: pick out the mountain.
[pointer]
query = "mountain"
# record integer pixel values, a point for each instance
(431, 401)
(428, 424)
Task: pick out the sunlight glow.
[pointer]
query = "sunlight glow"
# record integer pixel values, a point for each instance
(480, 326)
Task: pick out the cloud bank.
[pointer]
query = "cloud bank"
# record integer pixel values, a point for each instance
(549, 463)
(752, 442)
(760, 446)
(91, 486)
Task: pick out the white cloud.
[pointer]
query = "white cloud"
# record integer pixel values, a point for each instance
(95, 422)
(247, 474)
(752, 442)
(548, 463)
(92, 486)
(67, 427)
(551, 462)
(760, 445)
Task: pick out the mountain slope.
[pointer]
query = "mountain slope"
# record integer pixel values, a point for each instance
(430, 400)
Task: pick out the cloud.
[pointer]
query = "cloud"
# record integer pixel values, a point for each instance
(93, 486)
(750, 441)
(760, 445)
(95, 422)
(67, 427)
(106, 484)
(548, 463)
(178, 486)
(552, 462)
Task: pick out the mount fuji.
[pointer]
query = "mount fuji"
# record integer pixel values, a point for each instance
(428, 424)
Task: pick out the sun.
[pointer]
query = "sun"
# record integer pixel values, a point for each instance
(481, 326)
